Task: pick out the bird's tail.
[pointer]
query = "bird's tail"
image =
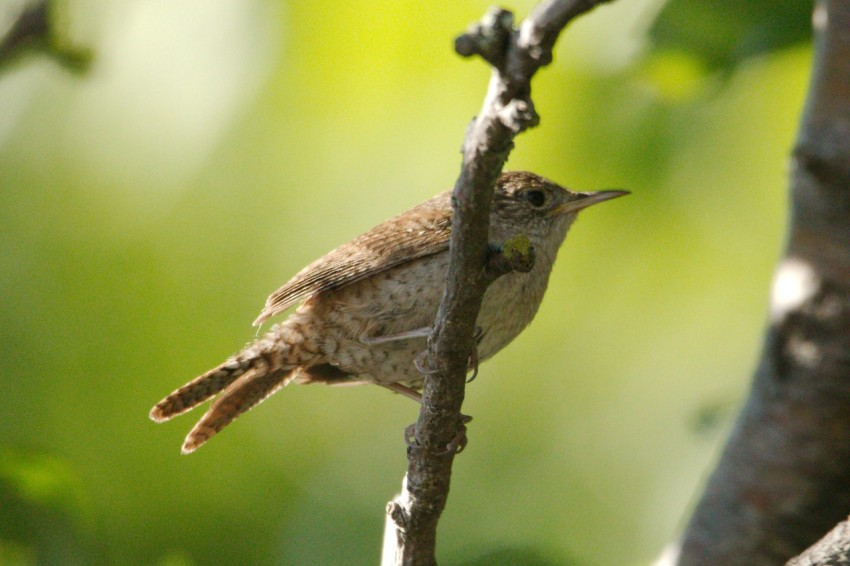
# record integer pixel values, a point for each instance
(246, 392)
(200, 389)
(244, 381)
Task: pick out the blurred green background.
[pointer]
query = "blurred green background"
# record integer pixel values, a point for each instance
(149, 205)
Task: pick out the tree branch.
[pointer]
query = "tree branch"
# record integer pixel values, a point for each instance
(831, 550)
(515, 56)
(784, 477)
(31, 25)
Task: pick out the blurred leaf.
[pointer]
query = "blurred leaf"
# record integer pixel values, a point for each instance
(675, 76)
(176, 558)
(42, 501)
(15, 554)
(41, 479)
(726, 32)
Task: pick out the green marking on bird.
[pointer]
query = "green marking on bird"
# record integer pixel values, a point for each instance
(519, 253)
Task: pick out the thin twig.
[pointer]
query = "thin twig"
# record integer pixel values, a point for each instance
(515, 56)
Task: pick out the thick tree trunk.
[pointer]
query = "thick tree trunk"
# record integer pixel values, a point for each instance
(783, 479)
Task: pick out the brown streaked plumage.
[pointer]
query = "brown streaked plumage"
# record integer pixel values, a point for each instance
(368, 305)
(423, 230)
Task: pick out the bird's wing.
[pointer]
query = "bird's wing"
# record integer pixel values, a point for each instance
(421, 231)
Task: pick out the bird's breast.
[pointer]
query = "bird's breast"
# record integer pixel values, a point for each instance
(509, 305)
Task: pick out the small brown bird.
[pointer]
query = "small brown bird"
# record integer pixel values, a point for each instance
(369, 304)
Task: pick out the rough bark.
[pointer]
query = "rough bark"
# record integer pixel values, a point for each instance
(831, 550)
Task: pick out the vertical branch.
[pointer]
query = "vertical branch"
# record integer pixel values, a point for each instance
(784, 477)
(515, 55)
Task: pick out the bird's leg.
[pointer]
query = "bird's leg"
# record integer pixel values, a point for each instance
(408, 392)
(459, 442)
(455, 446)
(423, 332)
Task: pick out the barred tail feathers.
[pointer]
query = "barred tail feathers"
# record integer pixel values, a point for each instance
(199, 389)
(243, 381)
(248, 391)
(270, 353)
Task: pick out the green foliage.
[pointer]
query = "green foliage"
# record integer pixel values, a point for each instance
(723, 33)
(44, 509)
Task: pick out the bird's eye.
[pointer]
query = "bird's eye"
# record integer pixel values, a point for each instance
(535, 198)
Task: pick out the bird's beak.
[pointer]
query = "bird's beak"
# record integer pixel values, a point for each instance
(583, 200)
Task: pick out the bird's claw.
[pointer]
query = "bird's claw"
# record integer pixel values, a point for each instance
(419, 362)
(455, 445)
(459, 442)
(410, 436)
